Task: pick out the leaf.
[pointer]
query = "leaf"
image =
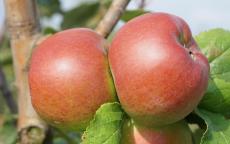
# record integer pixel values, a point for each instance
(6, 60)
(5, 56)
(5, 51)
(217, 97)
(49, 30)
(65, 137)
(215, 44)
(49, 7)
(130, 14)
(80, 16)
(218, 128)
(87, 14)
(197, 133)
(106, 126)
(8, 132)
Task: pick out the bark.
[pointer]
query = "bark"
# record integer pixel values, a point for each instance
(111, 18)
(22, 23)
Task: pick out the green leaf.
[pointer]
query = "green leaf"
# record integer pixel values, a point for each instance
(106, 126)
(80, 16)
(49, 30)
(217, 97)
(64, 137)
(215, 44)
(5, 56)
(218, 128)
(6, 60)
(8, 132)
(197, 133)
(49, 7)
(130, 14)
(5, 51)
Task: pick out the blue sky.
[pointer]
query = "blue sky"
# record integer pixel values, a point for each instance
(199, 14)
(1, 13)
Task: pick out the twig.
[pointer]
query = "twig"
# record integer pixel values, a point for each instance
(142, 4)
(22, 22)
(111, 18)
(7, 93)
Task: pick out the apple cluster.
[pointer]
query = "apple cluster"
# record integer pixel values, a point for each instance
(153, 67)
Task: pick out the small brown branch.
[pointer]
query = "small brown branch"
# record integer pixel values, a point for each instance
(111, 18)
(1, 32)
(22, 23)
(142, 4)
(7, 93)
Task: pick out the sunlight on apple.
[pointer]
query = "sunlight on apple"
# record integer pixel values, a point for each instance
(150, 55)
(65, 66)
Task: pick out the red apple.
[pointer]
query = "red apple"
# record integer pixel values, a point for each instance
(177, 133)
(69, 78)
(159, 72)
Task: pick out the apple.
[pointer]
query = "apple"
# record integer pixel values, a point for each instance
(69, 78)
(159, 71)
(177, 133)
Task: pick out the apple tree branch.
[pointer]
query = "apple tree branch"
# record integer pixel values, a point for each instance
(22, 23)
(111, 18)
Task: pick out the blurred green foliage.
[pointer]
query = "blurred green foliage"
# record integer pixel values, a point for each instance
(49, 7)
(7, 67)
(130, 14)
(83, 15)
(8, 132)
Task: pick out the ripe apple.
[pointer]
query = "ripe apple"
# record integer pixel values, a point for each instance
(159, 72)
(177, 133)
(69, 78)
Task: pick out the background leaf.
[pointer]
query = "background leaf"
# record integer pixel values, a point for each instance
(62, 137)
(49, 30)
(7, 68)
(218, 128)
(8, 132)
(106, 126)
(215, 44)
(80, 15)
(49, 7)
(197, 133)
(130, 14)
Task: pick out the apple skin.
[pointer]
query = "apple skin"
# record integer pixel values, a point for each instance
(69, 78)
(159, 72)
(177, 133)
